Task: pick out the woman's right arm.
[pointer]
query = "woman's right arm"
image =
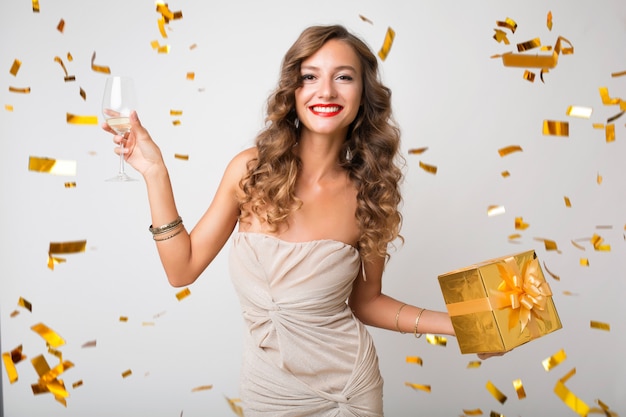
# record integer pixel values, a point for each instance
(185, 255)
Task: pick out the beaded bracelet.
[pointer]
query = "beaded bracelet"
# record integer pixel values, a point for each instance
(398, 316)
(180, 229)
(166, 227)
(417, 320)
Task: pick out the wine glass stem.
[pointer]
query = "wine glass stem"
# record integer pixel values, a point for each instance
(122, 158)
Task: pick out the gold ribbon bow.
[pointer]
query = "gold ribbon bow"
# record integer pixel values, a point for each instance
(525, 292)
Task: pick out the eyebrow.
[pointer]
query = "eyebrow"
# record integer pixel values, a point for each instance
(339, 68)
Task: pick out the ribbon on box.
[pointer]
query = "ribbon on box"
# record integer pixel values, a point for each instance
(524, 291)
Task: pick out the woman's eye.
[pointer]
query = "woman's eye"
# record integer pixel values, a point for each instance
(345, 78)
(307, 77)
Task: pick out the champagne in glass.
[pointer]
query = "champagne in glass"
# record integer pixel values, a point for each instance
(118, 101)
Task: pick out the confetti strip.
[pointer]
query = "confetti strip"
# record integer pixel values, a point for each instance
(89, 344)
(161, 49)
(24, 303)
(494, 210)
(8, 107)
(83, 94)
(183, 294)
(9, 365)
(610, 133)
(25, 90)
(425, 388)
(507, 23)
(497, 394)
(237, 409)
(572, 401)
(501, 36)
(552, 274)
(15, 67)
(548, 244)
(431, 169)
(202, 388)
(49, 335)
(71, 184)
(64, 248)
(554, 360)
(579, 111)
(389, 37)
(618, 74)
(365, 19)
(568, 203)
(436, 340)
(474, 412)
(474, 364)
(61, 25)
(52, 166)
(123, 319)
(549, 20)
(77, 384)
(598, 325)
(181, 156)
(67, 77)
(414, 359)
(515, 236)
(417, 151)
(35, 6)
(528, 45)
(520, 225)
(597, 242)
(555, 128)
(191, 76)
(509, 150)
(98, 68)
(529, 76)
(599, 178)
(127, 373)
(81, 120)
(617, 116)
(519, 389)
(584, 262)
(505, 174)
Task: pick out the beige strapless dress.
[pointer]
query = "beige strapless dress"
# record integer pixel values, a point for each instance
(305, 353)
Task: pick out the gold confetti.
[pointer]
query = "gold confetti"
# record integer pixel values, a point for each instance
(421, 387)
(161, 24)
(528, 45)
(202, 388)
(99, 68)
(192, 46)
(549, 20)
(599, 178)
(555, 128)
(25, 90)
(572, 401)
(596, 241)
(127, 373)
(14, 313)
(61, 25)
(514, 236)
(569, 293)
(49, 335)
(508, 23)
(167, 13)
(519, 389)
(9, 365)
(417, 151)
(89, 344)
(610, 133)
(494, 414)
(529, 76)
(494, 210)
(83, 94)
(568, 203)
(35, 6)
(598, 125)
(436, 340)
(554, 360)
(389, 37)
(414, 359)
(618, 74)
(365, 19)
(77, 384)
(505, 174)
(176, 122)
(431, 169)
(123, 319)
(183, 294)
(67, 77)
(474, 364)
(584, 262)
(81, 120)
(176, 112)
(237, 409)
(52, 166)
(549, 244)
(600, 325)
(191, 76)
(545, 62)
(8, 107)
(520, 225)
(500, 36)
(24, 303)
(553, 275)
(181, 156)
(579, 111)
(68, 247)
(617, 116)
(497, 394)
(509, 150)
(161, 49)
(606, 98)
(15, 67)
(475, 412)
(71, 184)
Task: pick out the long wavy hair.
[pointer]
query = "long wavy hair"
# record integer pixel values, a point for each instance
(373, 142)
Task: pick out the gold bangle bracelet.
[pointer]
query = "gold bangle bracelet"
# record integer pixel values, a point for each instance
(166, 227)
(417, 320)
(169, 236)
(398, 317)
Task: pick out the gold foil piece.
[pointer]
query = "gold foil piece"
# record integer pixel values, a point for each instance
(584, 262)
(123, 319)
(529, 76)
(161, 49)
(515, 236)
(15, 67)
(572, 401)
(365, 19)
(61, 25)
(191, 76)
(528, 45)
(389, 37)
(127, 373)
(167, 13)
(77, 384)
(610, 133)
(10, 368)
(495, 210)
(474, 364)
(507, 150)
(49, 335)
(147, 323)
(99, 68)
(414, 359)
(519, 389)
(176, 122)
(8, 107)
(598, 125)
(596, 241)
(181, 156)
(431, 169)
(70, 184)
(618, 74)
(421, 387)
(552, 274)
(555, 128)
(568, 203)
(67, 77)
(436, 340)
(193, 46)
(75, 246)
(505, 174)
(176, 112)
(606, 98)
(474, 412)
(202, 388)
(81, 120)
(52, 166)
(600, 325)
(236, 408)
(599, 178)
(579, 111)
(35, 4)
(161, 24)
(549, 20)
(25, 90)
(548, 244)
(91, 343)
(83, 94)
(507, 23)
(417, 151)
(500, 36)
(183, 294)
(497, 394)
(26, 304)
(554, 360)
(520, 225)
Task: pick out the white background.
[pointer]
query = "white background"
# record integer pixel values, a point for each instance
(448, 95)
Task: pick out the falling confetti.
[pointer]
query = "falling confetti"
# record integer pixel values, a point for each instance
(183, 294)
(600, 325)
(509, 150)
(52, 166)
(389, 37)
(554, 360)
(497, 394)
(420, 387)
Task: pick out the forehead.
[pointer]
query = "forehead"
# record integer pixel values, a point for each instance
(334, 53)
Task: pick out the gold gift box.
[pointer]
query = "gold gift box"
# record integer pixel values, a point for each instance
(499, 304)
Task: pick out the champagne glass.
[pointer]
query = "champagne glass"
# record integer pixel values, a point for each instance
(118, 101)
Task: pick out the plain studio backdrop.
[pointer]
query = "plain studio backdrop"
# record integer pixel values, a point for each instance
(449, 95)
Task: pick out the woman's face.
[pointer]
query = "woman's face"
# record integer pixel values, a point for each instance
(330, 95)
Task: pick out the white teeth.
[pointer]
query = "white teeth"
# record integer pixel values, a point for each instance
(326, 109)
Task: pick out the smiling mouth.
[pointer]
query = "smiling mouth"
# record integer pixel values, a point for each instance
(326, 110)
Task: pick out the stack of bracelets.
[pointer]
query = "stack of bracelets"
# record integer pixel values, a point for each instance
(167, 231)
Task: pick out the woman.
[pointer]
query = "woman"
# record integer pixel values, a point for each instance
(315, 203)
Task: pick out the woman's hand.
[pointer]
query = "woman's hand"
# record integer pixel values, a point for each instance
(141, 152)
(483, 356)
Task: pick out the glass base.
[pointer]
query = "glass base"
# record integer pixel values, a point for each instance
(121, 177)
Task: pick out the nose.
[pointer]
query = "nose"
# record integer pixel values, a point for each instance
(327, 88)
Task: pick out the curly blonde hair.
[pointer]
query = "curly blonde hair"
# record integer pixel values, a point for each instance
(373, 141)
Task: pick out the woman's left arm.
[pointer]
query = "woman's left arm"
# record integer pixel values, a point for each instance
(376, 309)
